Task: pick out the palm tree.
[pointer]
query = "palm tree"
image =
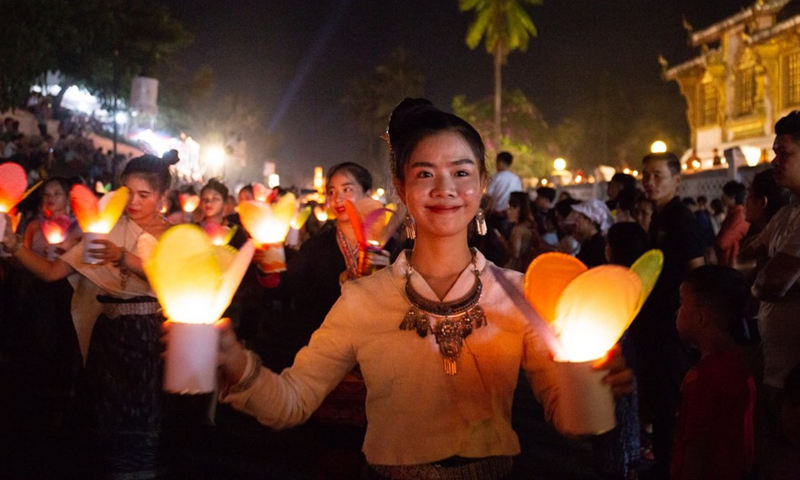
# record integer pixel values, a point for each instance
(505, 26)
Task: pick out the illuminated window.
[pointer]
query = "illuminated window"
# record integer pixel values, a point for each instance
(792, 79)
(744, 91)
(708, 104)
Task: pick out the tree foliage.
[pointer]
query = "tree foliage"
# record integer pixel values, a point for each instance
(525, 133)
(504, 26)
(99, 44)
(371, 98)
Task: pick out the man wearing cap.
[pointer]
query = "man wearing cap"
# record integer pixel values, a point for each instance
(662, 358)
(590, 220)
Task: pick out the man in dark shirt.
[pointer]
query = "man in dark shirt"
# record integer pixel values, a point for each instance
(662, 359)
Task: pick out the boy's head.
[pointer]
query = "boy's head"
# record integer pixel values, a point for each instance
(713, 299)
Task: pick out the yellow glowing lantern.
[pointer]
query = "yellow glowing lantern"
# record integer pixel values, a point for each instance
(269, 225)
(96, 217)
(321, 213)
(319, 180)
(260, 192)
(589, 310)
(195, 282)
(369, 219)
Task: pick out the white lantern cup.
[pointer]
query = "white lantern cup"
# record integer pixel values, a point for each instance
(88, 244)
(273, 258)
(586, 402)
(190, 364)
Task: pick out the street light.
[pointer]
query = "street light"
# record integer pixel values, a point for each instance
(658, 147)
(559, 164)
(216, 156)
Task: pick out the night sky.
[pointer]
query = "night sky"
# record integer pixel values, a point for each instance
(295, 58)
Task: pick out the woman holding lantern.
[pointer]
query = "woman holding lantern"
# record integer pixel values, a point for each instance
(212, 204)
(439, 341)
(52, 347)
(121, 388)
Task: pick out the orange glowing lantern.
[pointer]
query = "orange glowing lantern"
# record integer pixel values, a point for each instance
(195, 282)
(269, 225)
(369, 219)
(13, 181)
(55, 232)
(96, 217)
(189, 202)
(589, 310)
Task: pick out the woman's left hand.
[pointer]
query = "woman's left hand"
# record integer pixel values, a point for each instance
(619, 377)
(107, 251)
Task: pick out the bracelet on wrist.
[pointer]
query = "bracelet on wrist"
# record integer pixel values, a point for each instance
(247, 381)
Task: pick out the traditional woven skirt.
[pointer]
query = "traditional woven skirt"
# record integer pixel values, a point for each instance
(122, 393)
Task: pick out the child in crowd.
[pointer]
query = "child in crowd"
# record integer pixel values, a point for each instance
(714, 426)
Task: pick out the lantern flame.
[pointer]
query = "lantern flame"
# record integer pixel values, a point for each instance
(268, 224)
(193, 279)
(589, 310)
(97, 216)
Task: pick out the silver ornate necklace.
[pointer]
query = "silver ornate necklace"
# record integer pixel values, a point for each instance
(454, 321)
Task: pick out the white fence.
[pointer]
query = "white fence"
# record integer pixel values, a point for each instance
(707, 182)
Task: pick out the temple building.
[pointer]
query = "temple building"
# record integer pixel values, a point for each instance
(745, 77)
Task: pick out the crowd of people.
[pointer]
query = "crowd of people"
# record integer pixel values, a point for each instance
(410, 371)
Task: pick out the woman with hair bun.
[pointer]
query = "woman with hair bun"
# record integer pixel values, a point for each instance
(439, 342)
(121, 386)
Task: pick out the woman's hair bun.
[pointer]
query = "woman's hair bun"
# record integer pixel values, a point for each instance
(402, 115)
(171, 157)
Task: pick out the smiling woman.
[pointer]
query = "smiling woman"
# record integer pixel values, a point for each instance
(439, 343)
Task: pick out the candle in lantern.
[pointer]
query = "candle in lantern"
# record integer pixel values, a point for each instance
(589, 310)
(96, 217)
(268, 226)
(195, 282)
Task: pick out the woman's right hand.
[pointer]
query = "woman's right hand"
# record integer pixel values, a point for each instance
(232, 358)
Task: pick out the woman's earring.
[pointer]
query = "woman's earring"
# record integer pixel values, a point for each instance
(480, 222)
(411, 231)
